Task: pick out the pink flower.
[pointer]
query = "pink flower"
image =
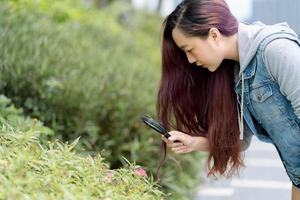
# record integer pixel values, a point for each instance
(140, 172)
(109, 176)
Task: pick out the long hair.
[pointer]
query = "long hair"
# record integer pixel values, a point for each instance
(194, 100)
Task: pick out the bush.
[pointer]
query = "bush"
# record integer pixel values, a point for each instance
(10, 114)
(31, 170)
(79, 82)
(90, 74)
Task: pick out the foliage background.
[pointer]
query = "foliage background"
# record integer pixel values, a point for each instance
(90, 73)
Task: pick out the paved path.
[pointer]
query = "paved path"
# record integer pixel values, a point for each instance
(263, 178)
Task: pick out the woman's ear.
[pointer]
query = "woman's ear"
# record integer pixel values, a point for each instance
(214, 35)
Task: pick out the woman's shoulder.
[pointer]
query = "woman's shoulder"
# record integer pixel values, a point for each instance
(281, 48)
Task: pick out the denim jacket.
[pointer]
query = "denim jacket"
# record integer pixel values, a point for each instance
(267, 113)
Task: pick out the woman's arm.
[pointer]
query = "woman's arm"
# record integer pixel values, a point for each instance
(189, 143)
(282, 58)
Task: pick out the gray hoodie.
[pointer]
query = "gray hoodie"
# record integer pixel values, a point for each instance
(287, 74)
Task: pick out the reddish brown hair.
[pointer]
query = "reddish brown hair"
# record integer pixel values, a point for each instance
(193, 100)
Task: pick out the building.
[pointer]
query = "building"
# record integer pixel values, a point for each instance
(275, 11)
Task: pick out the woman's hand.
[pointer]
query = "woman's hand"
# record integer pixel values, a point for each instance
(186, 142)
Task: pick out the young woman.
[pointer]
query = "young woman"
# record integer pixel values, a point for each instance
(224, 81)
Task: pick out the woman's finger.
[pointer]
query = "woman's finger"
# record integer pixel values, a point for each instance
(177, 144)
(166, 140)
(181, 151)
(175, 135)
(177, 149)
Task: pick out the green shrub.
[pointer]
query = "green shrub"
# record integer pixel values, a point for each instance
(10, 114)
(31, 170)
(90, 74)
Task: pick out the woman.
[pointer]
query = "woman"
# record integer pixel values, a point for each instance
(212, 67)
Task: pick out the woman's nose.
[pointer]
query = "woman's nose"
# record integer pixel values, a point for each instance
(190, 58)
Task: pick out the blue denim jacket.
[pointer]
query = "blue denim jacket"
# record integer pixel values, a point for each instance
(268, 114)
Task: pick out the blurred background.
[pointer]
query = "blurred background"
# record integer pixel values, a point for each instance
(267, 11)
(91, 69)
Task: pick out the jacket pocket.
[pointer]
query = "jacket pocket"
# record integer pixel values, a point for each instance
(260, 94)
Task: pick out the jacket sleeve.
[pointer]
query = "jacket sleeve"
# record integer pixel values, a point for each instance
(282, 58)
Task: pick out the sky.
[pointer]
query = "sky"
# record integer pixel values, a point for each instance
(242, 9)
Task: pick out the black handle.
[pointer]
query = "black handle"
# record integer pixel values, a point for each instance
(156, 126)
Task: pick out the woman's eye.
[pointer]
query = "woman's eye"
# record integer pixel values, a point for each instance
(190, 50)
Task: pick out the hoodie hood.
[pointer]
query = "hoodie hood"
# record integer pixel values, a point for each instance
(249, 38)
(251, 35)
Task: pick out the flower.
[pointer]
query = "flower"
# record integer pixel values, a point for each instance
(140, 172)
(109, 176)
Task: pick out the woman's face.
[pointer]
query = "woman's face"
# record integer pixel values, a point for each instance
(206, 53)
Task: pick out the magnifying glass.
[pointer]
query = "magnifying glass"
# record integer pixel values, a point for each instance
(156, 126)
